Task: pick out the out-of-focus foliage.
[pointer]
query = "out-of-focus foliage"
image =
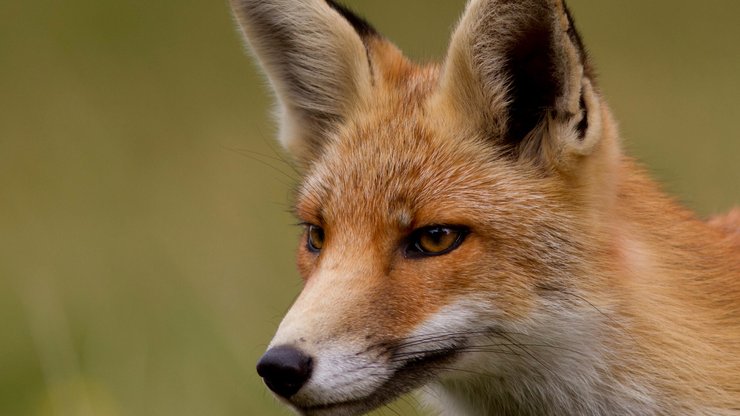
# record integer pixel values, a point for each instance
(145, 241)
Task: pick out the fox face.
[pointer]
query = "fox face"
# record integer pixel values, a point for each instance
(459, 218)
(414, 259)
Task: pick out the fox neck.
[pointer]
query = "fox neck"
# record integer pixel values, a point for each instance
(518, 396)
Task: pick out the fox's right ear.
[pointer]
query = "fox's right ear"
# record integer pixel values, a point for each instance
(315, 58)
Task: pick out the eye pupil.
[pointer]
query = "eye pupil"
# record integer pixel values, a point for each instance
(315, 239)
(435, 239)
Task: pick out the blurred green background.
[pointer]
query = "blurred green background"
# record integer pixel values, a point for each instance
(146, 252)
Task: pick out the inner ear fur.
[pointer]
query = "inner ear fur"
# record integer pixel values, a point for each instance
(520, 68)
(314, 54)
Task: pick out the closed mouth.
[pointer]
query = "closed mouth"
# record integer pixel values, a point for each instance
(407, 377)
(331, 406)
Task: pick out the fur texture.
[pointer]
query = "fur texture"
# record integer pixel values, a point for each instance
(581, 289)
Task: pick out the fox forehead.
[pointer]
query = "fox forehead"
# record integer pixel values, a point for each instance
(398, 168)
(391, 157)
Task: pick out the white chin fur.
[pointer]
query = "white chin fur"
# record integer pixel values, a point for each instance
(342, 373)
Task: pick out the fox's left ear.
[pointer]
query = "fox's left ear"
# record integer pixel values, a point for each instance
(519, 67)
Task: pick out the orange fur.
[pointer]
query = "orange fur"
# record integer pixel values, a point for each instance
(601, 294)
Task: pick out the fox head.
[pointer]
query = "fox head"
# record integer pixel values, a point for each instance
(450, 210)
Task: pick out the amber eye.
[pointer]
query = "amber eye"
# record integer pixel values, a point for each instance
(315, 238)
(435, 240)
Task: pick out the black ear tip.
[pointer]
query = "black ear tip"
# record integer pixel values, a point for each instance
(576, 39)
(361, 26)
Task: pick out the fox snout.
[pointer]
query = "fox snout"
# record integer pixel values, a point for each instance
(321, 366)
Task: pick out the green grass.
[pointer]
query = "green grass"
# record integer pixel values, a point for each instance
(145, 247)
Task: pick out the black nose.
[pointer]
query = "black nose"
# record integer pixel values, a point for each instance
(285, 370)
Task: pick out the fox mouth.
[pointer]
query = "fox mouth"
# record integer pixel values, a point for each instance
(413, 373)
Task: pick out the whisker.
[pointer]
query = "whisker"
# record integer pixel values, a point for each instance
(425, 339)
(420, 354)
(532, 356)
(252, 155)
(473, 372)
(278, 154)
(549, 346)
(602, 313)
(389, 407)
(407, 398)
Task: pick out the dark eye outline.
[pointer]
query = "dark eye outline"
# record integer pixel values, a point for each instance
(413, 248)
(310, 244)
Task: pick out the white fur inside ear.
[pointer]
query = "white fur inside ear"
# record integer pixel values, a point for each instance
(585, 145)
(290, 129)
(559, 143)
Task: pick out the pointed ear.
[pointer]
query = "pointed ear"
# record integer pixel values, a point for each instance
(315, 58)
(519, 67)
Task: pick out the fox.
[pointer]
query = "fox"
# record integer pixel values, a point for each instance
(473, 230)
